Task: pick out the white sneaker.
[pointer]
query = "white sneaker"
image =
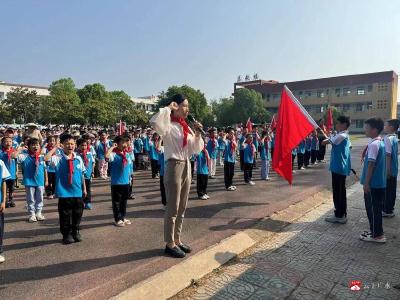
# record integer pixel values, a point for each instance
(204, 197)
(40, 217)
(127, 222)
(50, 197)
(367, 237)
(302, 168)
(2, 259)
(120, 223)
(32, 219)
(252, 183)
(293, 172)
(231, 188)
(208, 197)
(234, 187)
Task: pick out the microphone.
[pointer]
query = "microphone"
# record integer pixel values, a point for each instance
(193, 120)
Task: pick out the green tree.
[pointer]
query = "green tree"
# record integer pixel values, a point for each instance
(335, 114)
(97, 112)
(63, 104)
(95, 91)
(197, 101)
(23, 105)
(5, 115)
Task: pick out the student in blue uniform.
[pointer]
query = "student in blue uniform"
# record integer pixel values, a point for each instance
(153, 155)
(256, 140)
(307, 154)
(70, 188)
(314, 147)
(373, 178)
(229, 159)
(137, 147)
(4, 174)
(265, 155)
(161, 164)
(340, 167)
(301, 150)
(121, 169)
(203, 160)
(294, 154)
(212, 149)
(51, 172)
(221, 147)
(8, 156)
(249, 151)
(102, 147)
(88, 159)
(392, 165)
(241, 142)
(34, 179)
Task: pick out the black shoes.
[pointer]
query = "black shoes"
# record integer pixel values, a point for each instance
(77, 237)
(68, 239)
(10, 204)
(175, 252)
(185, 248)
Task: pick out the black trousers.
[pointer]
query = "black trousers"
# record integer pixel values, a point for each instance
(241, 158)
(70, 211)
(321, 152)
(162, 190)
(155, 168)
(10, 185)
(390, 197)
(51, 187)
(137, 163)
(248, 172)
(314, 156)
(300, 160)
(88, 198)
(373, 205)
(307, 156)
(1, 231)
(229, 172)
(192, 168)
(339, 194)
(293, 158)
(119, 197)
(202, 181)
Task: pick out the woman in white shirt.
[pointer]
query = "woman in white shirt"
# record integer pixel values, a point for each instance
(179, 144)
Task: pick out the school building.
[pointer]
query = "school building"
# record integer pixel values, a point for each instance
(358, 96)
(6, 87)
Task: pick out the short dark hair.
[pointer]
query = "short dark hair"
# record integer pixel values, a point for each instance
(344, 120)
(66, 137)
(393, 123)
(178, 98)
(376, 123)
(81, 141)
(121, 139)
(248, 135)
(32, 141)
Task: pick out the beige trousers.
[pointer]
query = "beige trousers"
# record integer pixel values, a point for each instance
(177, 178)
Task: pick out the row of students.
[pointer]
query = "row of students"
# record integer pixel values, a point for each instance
(379, 173)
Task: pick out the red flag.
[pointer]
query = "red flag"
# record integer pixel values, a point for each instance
(329, 120)
(249, 125)
(273, 123)
(293, 125)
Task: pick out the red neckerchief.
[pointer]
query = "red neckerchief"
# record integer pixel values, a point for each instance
(8, 151)
(252, 148)
(123, 154)
(70, 167)
(36, 157)
(185, 128)
(105, 146)
(206, 155)
(213, 144)
(84, 156)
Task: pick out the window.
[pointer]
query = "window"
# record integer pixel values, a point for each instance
(370, 88)
(274, 96)
(308, 93)
(346, 107)
(337, 92)
(268, 97)
(321, 109)
(346, 91)
(381, 104)
(361, 90)
(300, 93)
(320, 94)
(359, 107)
(382, 86)
(359, 123)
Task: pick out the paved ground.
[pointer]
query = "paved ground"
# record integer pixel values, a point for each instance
(312, 259)
(111, 259)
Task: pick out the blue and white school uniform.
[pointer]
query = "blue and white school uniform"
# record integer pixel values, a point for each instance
(33, 180)
(248, 159)
(229, 163)
(4, 174)
(375, 153)
(212, 148)
(202, 173)
(265, 155)
(221, 149)
(391, 151)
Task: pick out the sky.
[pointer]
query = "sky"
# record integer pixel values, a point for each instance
(143, 47)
